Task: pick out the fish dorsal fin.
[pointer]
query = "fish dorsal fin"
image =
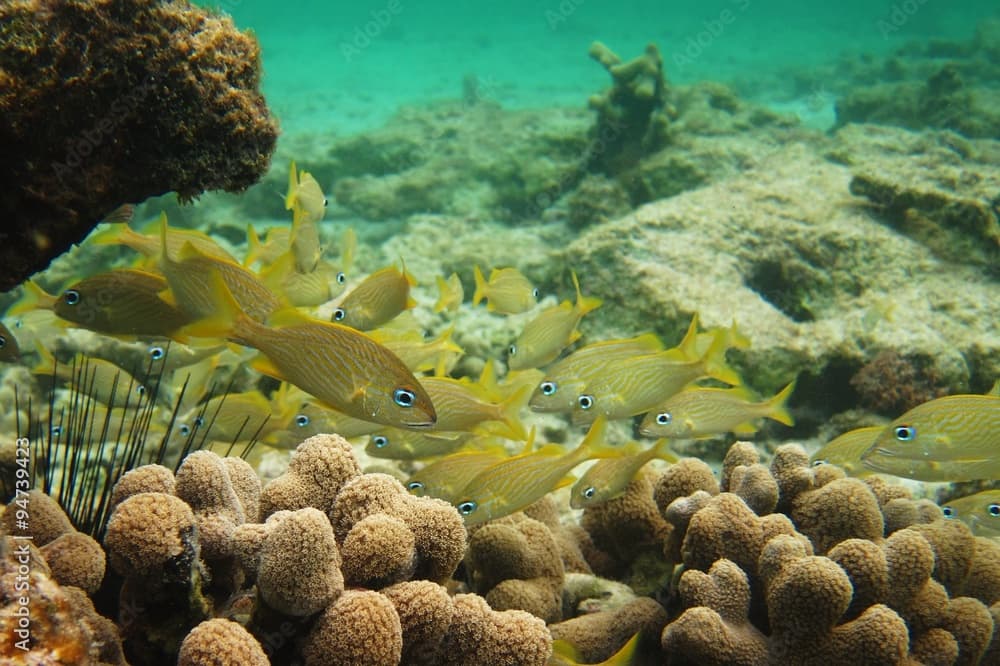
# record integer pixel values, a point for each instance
(264, 366)
(289, 316)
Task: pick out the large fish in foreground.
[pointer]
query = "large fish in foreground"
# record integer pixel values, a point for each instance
(954, 438)
(341, 367)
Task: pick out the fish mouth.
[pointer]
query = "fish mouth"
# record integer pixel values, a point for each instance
(422, 425)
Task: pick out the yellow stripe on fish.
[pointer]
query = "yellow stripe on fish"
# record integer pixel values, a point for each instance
(845, 450)
(377, 300)
(608, 478)
(953, 438)
(699, 412)
(151, 244)
(544, 337)
(463, 406)
(399, 444)
(338, 365)
(506, 292)
(565, 379)
(514, 483)
(439, 354)
(102, 380)
(446, 477)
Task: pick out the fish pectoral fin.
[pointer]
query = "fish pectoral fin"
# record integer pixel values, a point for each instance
(567, 480)
(747, 428)
(264, 366)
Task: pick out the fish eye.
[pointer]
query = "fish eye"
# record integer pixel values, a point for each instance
(817, 463)
(199, 421)
(341, 278)
(404, 397)
(380, 441)
(301, 420)
(414, 485)
(534, 292)
(156, 353)
(547, 388)
(185, 429)
(664, 418)
(948, 512)
(467, 507)
(3, 342)
(339, 314)
(585, 401)
(56, 431)
(993, 509)
(326, 202)
(511, 350)
(71, 296)
(141, 390)
(905, 433)
(589, 492)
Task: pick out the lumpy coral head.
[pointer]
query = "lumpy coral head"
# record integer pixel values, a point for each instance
(106, 103)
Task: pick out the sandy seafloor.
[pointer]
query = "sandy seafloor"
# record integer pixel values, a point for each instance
(344, 67)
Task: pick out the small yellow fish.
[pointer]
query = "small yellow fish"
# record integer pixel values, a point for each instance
(123, 302)
(565, 379)
(637, 384)
(229, 417)
(608, 478)
(446, 477)
(699, 412)
(514, 483)
(451, 293)
(320, 285)
(190, 284)
(845, 450)
(151, 244)
(312, 418)
(462, 406)
(981, 512)
(554, 329)
(411, 445)
(953, 438)
(274, 245)
(439, 354)
(506, 292)
(305, 196)
(343, 368)
(377, 300)
(9, 350)
(98, 378)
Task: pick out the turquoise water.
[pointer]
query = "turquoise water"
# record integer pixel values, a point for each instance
(344, 67)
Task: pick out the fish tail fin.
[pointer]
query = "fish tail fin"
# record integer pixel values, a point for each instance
(480, 292)
(626, 654)
(661, 450)
(446, 347)
(110, 235)
(293, 185)
(254, 247)
(715, 361)
(441, 302)
(34, 298)
(688, 346)
(736, 338)
(776, 407)
(227, 319)
(510, 408)
(595, 443)
(46, 360)
(584, 304)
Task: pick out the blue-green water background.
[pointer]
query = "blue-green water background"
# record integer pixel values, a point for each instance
(338, 67)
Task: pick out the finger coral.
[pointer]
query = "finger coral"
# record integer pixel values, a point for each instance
(316, 472)
(77, 142)
(360, 629)
(221, 642)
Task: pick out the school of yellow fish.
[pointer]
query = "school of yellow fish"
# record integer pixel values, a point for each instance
(369, 372)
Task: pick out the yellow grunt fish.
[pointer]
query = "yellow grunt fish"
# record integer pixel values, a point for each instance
(274, 245)
(124, 302)
(446, 477)
(102, 380)
(339, 366)
(607, 479)
(514, 483)
(637, 384)
(411, 445)
(151, 244)
(230, 417)
(845, 450)
(377, 300)
(318, 286)
(554, 329)
(981, 512)
(9, 350)
(507, 291)
(189, 277)
(463, 406)
(439, 354)
(450, 292)
(312, 418)
(305, 196)
(953, 438)
(565, 379)
(699, 412)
